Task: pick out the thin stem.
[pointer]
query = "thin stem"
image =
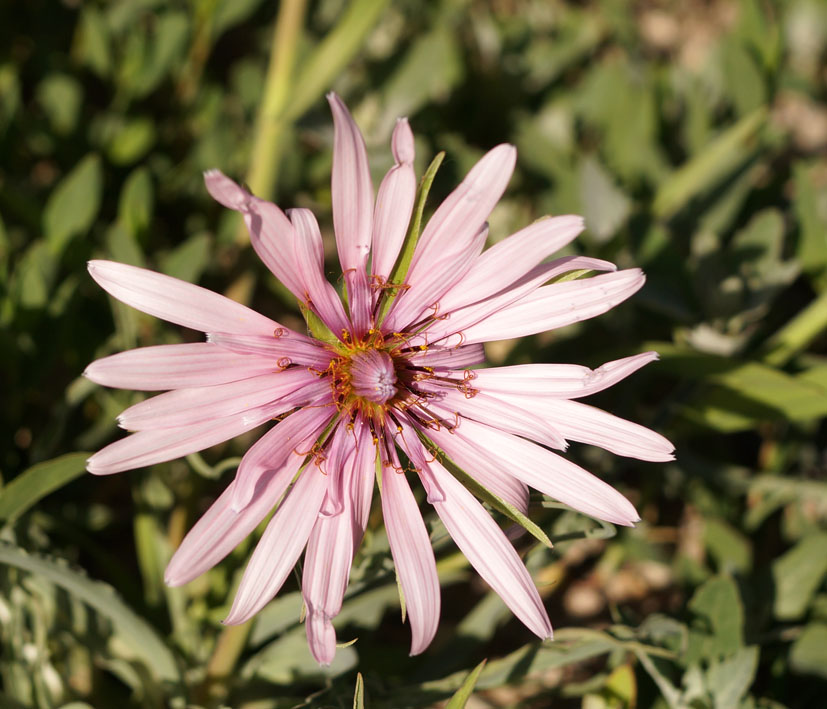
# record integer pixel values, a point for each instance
(223, 661)
(267, 145)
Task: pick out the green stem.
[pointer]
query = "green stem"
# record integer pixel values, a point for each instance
(264, 162)
(798, 333)
(222, 662)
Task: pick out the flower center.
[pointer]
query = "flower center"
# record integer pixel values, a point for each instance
(373, 376)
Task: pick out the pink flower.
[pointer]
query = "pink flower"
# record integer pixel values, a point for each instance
(393, 376)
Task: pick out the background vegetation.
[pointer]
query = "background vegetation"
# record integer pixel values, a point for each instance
(691, 135)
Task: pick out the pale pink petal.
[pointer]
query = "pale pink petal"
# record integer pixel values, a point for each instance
(394, 204)
(408, 441)
(566, 381)
(351, 189)
(456, 322)
(413, 556)
(360, 300)
(282, 350)
(449, 357)
(487, 409)
(546, 471)
(402, 142)
(271, 233)
(456, 222)
(293, 435)
(178, 301)
(421, 301)
(587, 424)
(171, 366)
(321, 637)
(361, 487)
(326, 572)
(221, 528)
(280, 546)
(510, 259)
(486, 471)
(184, 407)
(319, 294)
(557, 305)
(149, 447)
(489, 551)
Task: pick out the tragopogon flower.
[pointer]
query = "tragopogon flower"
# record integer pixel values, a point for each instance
(393, 376)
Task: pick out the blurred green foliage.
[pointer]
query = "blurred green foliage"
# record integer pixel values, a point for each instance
(691, 135)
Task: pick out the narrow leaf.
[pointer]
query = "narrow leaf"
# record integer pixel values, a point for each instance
(359, 694)
(38, 481)
(135, 633)
(463, 694)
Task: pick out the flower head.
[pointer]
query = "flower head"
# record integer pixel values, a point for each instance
(388, 379)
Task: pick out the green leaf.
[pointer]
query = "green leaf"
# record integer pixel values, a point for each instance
(92, 42)
(463, 694)
(61, 97)
(718, 631)
(431, 68)
(798, 574)
(136, 203)
(188, 261)
(810, 206)
(704, 170)
(132, 141)
(808, 654)
(334, 53)
(730, 679)
(484, 494)
(38, 481)
(74, 203)
(728, 546)
(138, 640)
(400, 269)
(359, 692)
(605, 206)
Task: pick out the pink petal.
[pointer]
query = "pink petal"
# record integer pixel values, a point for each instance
(293, 435)
(326, 572)
(221, 528)
(454, 225)
(271, 233)
(449, 357)
(402, 142)
(184, 407)
(351, 187)
(508, 260)
(149, 447)
(280, 546)
(487, 409)
(547, 472)
(487, 472)
(557, 305)
(489, 551)
(178, 301)
(587, 424)
(172, 366)
(361, 487)
(460, 320)
(422, 300)
(412, 555)
(394, 204)
(282, 350)
(567, 381)
(322, 297)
